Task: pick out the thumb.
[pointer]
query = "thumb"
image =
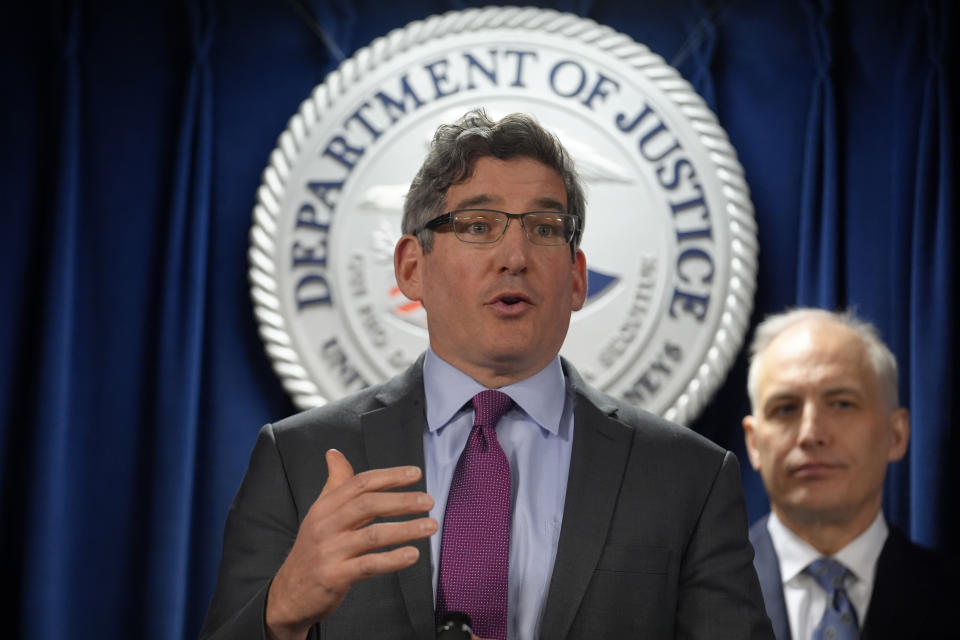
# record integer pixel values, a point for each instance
(339, 470)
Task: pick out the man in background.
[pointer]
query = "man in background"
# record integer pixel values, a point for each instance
(535, 504)
(826, 423)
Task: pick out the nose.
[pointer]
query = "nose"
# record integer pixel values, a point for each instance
(814, 431)
(514, 248)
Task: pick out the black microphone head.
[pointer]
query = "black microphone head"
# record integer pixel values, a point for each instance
(454, 625)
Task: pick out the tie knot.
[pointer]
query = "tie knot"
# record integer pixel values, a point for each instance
(489, 406)
(828, 573)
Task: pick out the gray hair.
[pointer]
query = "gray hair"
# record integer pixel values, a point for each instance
(457, 146)
(883, 361)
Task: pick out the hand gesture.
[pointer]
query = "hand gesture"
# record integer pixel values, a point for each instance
(336, 547)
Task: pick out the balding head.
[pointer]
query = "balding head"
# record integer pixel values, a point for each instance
(881, 358)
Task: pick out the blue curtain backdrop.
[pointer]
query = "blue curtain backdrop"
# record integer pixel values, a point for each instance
(133, 381)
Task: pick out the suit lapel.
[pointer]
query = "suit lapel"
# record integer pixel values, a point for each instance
(601, 447)
(771, 584)
(889, 603)
(393, 436)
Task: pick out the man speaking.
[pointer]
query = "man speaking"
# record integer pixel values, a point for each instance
(531, 502)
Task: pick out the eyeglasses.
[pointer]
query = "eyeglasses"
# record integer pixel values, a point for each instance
(486, 226)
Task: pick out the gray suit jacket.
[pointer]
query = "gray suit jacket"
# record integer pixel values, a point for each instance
(653, 542)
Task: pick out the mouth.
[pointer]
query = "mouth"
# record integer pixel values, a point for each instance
(511, 303)
(815, 469)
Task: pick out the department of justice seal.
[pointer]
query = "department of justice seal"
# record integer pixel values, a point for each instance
(670, 236)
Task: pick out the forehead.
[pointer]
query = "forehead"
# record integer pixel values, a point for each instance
(816, 356)
(518, 181)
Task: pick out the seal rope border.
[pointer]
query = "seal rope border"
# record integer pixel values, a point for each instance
(738, 305)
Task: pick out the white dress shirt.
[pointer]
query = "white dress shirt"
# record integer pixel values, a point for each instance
(537, 436)
(805, 599)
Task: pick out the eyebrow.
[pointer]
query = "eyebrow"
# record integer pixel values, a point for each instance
(842, 391)
(484, 199)
(779, 397)
(829, 393)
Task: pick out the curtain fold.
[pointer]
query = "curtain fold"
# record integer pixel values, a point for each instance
(894, 295)
(48, 557)
(933, 283)
(819, 278)
(180, 344)
(702, 44)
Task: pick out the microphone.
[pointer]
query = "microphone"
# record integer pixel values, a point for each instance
(454, 625)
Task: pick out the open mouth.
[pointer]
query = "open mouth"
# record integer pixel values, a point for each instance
(512, 303)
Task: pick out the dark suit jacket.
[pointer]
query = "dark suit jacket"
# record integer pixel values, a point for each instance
(653, 542)
(911, 592)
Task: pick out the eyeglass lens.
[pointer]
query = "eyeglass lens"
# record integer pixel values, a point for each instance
(541, 227)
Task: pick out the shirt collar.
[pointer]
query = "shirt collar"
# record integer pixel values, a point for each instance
(860, 555)
(541, 396)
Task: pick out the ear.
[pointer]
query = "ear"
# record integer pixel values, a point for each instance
(579, 280)
(899, 434)
(750, 438)
(407, 267)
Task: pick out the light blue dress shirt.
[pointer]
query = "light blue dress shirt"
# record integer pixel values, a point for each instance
(537, 437)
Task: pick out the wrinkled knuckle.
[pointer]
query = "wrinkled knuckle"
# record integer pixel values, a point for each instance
(323, 575)
(362, 480)
(367, 566)
(371, 536)
(322, 557)
(364, 503)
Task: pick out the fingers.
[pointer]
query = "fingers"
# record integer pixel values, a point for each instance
(381, 535)
(339, 470)
(342, 484)
(375, 564)
(340, 560)
(333, 550)
(342, 531)
(368, 506)
(356, 499)
(350, 500)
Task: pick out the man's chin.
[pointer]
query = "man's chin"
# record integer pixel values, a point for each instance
(508, 361)
(816, 509)
(516, 360)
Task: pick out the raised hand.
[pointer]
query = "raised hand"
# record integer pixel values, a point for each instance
(336, 547)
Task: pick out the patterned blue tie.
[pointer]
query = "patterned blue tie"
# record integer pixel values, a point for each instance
(839, 620)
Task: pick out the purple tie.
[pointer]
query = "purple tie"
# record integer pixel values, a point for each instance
(475, 547)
